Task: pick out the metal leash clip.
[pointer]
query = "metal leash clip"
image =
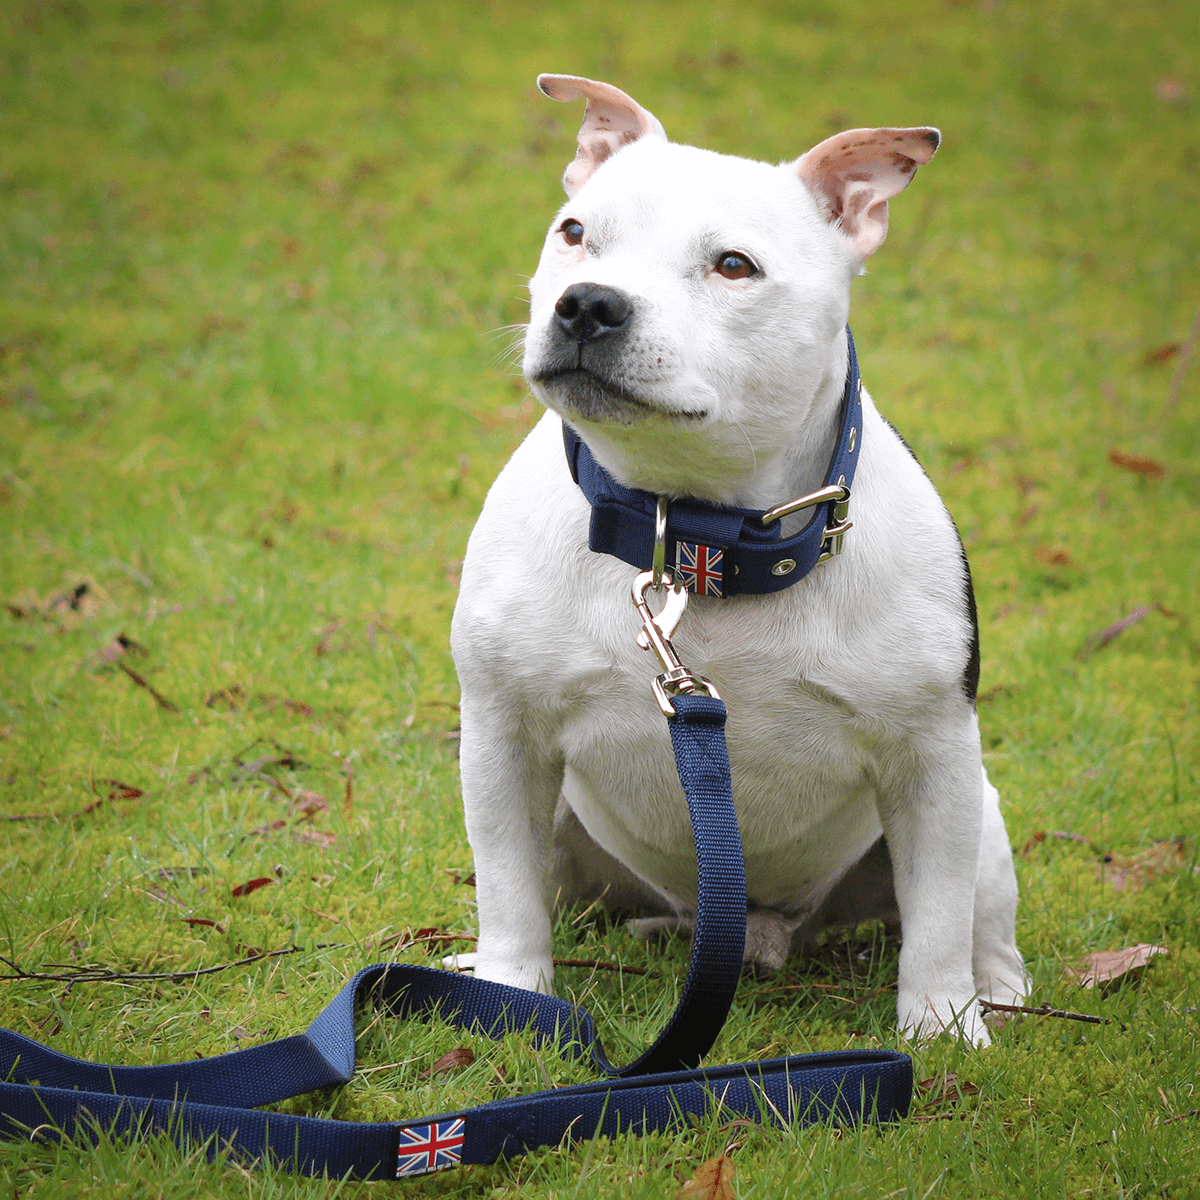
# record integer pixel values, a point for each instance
(657, 629)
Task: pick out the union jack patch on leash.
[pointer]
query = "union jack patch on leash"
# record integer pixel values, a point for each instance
(700, 569)
(434, 1147)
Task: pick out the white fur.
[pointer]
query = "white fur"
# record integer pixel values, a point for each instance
(847, 712)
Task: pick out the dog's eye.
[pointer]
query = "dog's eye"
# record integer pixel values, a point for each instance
(735, 266)
(572, 232)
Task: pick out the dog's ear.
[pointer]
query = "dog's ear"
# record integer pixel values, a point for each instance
(611, 120)
(854, 174)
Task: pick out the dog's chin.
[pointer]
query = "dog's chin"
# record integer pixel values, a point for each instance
(582, 395)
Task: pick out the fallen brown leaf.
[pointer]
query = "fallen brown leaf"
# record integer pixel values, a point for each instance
(1113, 966)
(713, 1180)
(1137, 870)
(1137, 463)
(116, 791)
(452, 1060)
(1162, 353)
(251, 885)
(205, 922)
(1053, 556)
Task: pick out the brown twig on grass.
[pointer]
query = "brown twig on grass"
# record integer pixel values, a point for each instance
(1185, 357)
(598, 965)
(100, 975)
(1044, 1011)
(159, 698)
(1183, 1116)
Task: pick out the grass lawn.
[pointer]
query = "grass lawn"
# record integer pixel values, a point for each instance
(259, 265)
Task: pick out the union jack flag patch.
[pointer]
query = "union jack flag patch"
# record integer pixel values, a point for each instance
(700, 569)
(425, 1148)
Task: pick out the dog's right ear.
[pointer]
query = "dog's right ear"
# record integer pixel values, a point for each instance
(611, 120)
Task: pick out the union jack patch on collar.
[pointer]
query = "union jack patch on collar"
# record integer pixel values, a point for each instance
(700, 569)
(433, 1147)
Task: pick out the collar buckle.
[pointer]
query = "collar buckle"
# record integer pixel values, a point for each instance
(838, 492)
(831, 540)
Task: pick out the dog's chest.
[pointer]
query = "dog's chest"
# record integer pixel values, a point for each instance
(801, 774)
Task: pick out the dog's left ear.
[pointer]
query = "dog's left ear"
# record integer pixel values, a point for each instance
(854, 174)
(611, 120)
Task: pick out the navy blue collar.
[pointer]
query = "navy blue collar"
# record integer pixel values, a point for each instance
(717, 551)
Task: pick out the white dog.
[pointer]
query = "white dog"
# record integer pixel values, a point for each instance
(688, 322)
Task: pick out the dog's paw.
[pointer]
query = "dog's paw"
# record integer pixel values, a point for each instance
(657, 929)
(1002, 979)
(534, 975)
(923, 1019)
(463, 963)
(768, 941)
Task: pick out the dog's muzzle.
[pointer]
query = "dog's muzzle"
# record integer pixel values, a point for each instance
(581, 366)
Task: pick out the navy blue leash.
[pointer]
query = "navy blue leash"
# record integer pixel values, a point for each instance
(216, 1098)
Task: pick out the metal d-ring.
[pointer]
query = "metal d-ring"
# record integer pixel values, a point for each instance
(658, 564)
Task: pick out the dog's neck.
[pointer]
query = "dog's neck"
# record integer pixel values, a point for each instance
(724, 466)
(721, 549)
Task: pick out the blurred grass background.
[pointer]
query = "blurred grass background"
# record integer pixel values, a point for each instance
(259, 265)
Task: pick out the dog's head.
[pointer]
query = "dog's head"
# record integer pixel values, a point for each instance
(687, 312)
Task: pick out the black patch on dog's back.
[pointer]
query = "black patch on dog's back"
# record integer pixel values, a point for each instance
(970, 678)
(971, 674)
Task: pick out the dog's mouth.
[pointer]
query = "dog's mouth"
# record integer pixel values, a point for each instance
(594, 398)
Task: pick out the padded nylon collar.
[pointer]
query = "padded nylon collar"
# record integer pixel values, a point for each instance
(714, 550)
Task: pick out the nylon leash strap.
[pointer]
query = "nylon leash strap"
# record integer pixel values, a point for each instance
(50, 1094)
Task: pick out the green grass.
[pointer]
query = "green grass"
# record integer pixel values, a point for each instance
(253, 264)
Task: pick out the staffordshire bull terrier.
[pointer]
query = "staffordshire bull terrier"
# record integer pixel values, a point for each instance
(688, 326)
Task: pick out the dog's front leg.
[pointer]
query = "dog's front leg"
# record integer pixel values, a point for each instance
(509, 791)
(931, 810)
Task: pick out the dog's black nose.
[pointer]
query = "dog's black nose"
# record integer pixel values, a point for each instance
(587, 311)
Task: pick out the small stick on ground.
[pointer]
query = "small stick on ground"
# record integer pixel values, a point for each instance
(159, 698)
(598, 965)
(1044, 1011)
(1185, 357)
(99, 975)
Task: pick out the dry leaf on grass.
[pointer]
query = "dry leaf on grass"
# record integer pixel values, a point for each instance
(1137, 463)
(1107, 967)
(452, 1060)
(1053, 556)
(713, 1180)
(251, 885)
(1137, 870)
